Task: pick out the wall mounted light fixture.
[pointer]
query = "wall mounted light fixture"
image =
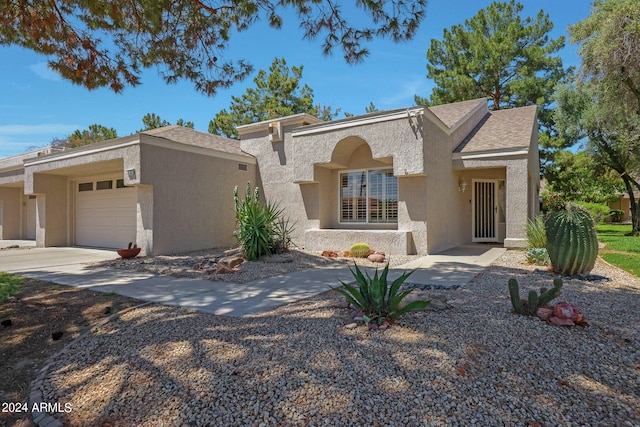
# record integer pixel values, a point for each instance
(131, 174)
(462, 184)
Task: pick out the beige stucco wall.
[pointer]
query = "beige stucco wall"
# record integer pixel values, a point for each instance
(190, 196)
(52, 211)
(518, 195)
(399, 139)
(276, 170)
(10, 203)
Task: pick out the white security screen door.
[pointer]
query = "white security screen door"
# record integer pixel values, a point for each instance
(485, 211)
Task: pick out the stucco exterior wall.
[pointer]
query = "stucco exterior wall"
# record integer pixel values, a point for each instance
(399, 139)
(517, 193)
(10, 202)
(192, 198)
(51, 209)
(277, 171)
(444, 219)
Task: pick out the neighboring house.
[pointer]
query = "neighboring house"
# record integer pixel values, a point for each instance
(406, 181)
(414, 180)
(623, 203)
(169, 190)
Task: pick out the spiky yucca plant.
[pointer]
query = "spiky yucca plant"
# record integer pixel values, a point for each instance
(572, 242)
(378, 300)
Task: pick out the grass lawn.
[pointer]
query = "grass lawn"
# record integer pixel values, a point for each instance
(8, 285)
(620, 250)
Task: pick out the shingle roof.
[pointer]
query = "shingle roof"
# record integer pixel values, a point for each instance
(450, 114)
(501, 129)
(196, 138)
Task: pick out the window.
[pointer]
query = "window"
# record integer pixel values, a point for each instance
(104, 185)
(85, 186)
(120, 184)
(369, 196)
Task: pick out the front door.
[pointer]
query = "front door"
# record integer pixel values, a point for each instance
(485, 211)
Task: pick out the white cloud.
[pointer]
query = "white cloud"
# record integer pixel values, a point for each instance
(404, 92)
(43, 71)
(39, 129)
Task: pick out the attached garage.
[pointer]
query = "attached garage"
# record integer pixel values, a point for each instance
(105, 213)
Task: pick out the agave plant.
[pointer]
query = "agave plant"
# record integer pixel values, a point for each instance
(379, 301)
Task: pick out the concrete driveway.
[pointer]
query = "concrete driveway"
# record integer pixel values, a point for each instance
(30, 259)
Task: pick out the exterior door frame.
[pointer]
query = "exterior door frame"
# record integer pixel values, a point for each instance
(484, 210)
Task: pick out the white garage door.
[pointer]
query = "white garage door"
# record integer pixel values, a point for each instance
(105, 214)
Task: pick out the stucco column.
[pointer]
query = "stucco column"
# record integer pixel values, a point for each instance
(517, 205)
(41, 221)
(144, 219)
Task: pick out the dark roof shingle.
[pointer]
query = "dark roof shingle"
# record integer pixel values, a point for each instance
(501, 129)
(196, 138)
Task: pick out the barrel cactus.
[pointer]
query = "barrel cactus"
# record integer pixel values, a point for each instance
(571, 240)
(360, 250)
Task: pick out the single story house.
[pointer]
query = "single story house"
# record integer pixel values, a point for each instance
(415, 180)
(623, 203)
(168, 190)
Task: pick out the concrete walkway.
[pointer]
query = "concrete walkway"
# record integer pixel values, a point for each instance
(67, 266)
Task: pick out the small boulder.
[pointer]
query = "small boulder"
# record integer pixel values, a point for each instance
(544, 313)
(558, 321)
(231, 261)
(564, 310)
(351, 325)
(223, 269)
(330, 254)
(232, 252)
(376, 258)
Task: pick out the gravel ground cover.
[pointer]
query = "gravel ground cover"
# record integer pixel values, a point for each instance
(201, 264)
(475, 363)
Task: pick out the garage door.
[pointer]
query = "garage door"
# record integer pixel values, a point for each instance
(105, 213)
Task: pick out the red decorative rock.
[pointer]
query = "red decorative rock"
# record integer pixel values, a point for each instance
(330, 254)
(544, 313)
(561, 321)
(564, 310)
(376, 258)
(379, 253)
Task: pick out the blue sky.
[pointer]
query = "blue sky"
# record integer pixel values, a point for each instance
(36, 105)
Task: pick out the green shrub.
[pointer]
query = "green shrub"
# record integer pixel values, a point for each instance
(378, 300)
(360, 250)
(571, 240)
(539, 256)
(616, 215)
(597, 211)
(536, 234)
(261, 228)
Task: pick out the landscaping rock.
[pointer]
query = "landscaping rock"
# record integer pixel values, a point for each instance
(223, 269)
(544, 313)
(376, 257)
(232, 252)
(231, 261)
(330, 254)
(351, 325)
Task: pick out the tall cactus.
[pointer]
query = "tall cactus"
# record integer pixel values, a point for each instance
(571, 240)
(534, 301)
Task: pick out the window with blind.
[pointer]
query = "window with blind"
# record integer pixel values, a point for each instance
(369, 196)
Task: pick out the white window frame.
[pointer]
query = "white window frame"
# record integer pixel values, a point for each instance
(367, 207)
